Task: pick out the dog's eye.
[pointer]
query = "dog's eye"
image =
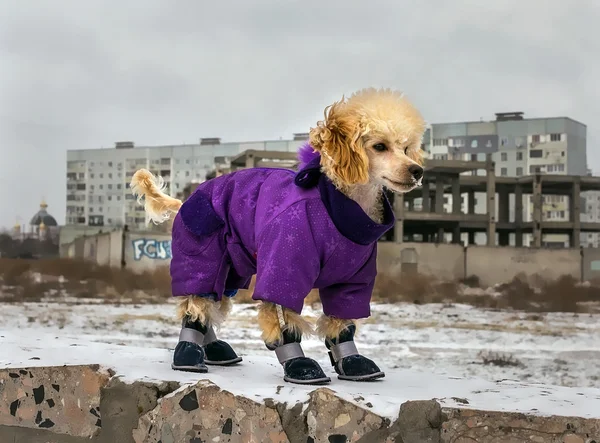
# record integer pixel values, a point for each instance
(380, 147)
(406, 151)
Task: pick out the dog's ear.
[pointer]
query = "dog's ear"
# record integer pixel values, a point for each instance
(338, 139)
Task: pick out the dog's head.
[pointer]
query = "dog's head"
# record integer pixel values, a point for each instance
(373, 136)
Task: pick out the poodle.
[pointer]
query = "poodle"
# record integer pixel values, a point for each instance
(317, 227)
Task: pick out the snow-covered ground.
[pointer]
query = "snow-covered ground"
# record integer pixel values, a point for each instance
(259, 378)
(557, 348)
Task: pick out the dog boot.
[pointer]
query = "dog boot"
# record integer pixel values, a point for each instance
(189, 353)
(346, 360)
(296, 367)
(217, 352)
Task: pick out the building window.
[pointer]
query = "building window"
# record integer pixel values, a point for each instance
(533, 169)
(535, 138)
(473, 157)
(562, 153)
(504, 172)
(119, 186)
(504, 141)
(555, 168)
(440, 142)
(91, 175)
(536, 153)
(110, 164)
(474, 144)
(110, 175)
(101, 186)
(503, 156)
(519, 171)
(519, 156)
(101, 175)
(109, 198)
(555, 137)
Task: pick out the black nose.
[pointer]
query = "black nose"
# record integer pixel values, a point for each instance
(416, 171)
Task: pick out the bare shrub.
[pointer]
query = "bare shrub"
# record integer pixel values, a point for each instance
(81, 279)
(522, 293)
(84, 279)
(472, 281)
(13, 270)
(413, 288)
(498, 359)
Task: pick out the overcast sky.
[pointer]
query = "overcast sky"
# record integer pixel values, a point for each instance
(84, 74)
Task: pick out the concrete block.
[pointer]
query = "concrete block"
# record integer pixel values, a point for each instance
(469, 426)
(65, 400)
(205, 413)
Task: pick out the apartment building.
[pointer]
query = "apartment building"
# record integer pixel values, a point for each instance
(98, 179)
(519, 146)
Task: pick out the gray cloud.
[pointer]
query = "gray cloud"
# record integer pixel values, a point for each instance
(85, 74)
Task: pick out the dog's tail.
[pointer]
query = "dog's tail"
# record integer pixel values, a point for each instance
(158, 205)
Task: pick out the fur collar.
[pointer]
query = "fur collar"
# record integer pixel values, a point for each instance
(347, 215)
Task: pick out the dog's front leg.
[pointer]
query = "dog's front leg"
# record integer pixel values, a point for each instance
(198, 344)
(345, 359)
(282, 331)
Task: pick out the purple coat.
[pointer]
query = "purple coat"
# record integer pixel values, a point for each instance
(295, 231)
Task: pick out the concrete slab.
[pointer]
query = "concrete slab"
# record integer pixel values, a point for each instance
(233, 404)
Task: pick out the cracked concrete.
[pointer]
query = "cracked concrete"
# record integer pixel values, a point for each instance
(468, 426)
(87, 403)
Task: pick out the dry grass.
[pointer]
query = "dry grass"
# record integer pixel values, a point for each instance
(32, 280)
(563, 294)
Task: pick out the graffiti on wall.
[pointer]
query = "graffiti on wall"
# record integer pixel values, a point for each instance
(151, 248)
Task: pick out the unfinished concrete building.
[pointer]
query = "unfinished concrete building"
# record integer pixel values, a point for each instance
(423, 215)
(450, 177)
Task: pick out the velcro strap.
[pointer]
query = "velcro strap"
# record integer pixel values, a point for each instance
(288, 352)
(192, 336)
(342, 350)
(210, 336)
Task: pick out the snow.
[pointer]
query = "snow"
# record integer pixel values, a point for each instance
(260, 377)
(427, 351)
